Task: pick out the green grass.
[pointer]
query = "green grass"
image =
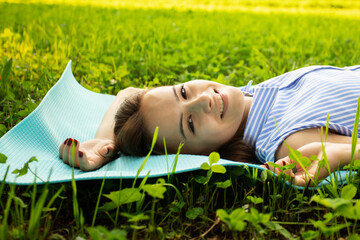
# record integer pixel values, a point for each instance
(310, 6)
(138, 47)
(113, 48)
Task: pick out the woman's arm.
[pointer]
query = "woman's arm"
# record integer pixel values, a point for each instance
(308, 142)
(94, 153)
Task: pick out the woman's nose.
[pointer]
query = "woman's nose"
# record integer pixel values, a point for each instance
(200, 103)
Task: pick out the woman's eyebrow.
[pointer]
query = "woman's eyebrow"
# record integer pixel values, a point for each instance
(181, 114)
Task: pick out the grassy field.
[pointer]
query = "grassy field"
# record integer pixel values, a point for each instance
(118, 44)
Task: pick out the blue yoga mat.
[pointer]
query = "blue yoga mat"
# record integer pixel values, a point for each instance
(70, 110)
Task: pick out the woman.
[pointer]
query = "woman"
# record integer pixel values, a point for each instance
(242, 124)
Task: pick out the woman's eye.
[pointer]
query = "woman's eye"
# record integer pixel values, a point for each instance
(183, 92)
(191, 124)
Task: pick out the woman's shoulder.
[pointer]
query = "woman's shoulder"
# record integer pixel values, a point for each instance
(287, 78)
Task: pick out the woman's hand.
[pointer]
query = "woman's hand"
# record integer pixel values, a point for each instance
(93, 154)
(338, 155)
(89, 155)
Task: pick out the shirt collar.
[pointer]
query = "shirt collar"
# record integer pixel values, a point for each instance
(247, 88)
(263, 100)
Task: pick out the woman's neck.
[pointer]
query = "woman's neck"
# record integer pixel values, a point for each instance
(247, 106)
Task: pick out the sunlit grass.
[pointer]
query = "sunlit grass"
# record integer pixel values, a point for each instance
(338, 7)
(148, 47)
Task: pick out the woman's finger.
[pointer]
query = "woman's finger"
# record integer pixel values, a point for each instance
(82, 160)
(61, 148)
(298, 177)
(299, 180)
(284, 162)
(272, 169)
(65, 152)
(73, 153)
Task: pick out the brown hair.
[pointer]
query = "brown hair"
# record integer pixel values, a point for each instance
(132, 138)
(238, 150)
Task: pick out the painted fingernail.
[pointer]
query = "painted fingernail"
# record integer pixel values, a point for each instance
(81, 154)
(267, 166)
(65, 140)
(69, 142)
(76, 142)
(284, 163)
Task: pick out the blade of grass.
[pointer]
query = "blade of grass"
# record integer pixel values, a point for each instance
(35, 215)
(98, 202)
(354, 139)
(178, 193)
(156, 132)
(307, 174)
(5, 74)
(171, 175)
(33, 196)
(167, 160)
(56, 195)
(144, 180)
(323, 144)
(140, 203)
(175, 162)
(49, 220)
(8, 203)
(79, 219)
(3, 185)
(47, 228)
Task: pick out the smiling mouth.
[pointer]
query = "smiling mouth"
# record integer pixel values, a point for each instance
(221, 103)
(221, 106)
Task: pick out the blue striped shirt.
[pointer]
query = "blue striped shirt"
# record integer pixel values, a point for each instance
(299, 100)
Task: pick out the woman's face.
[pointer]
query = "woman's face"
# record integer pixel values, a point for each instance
(203, 115)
